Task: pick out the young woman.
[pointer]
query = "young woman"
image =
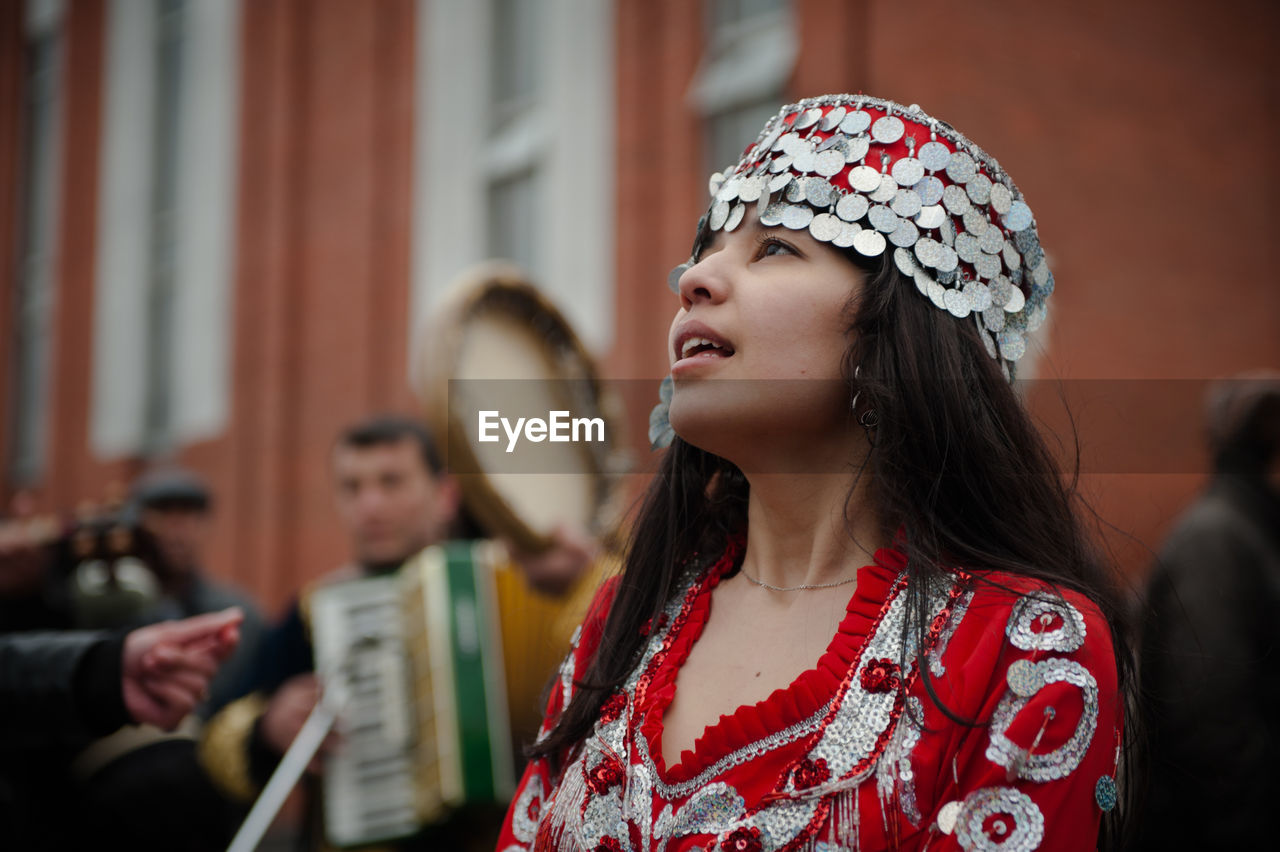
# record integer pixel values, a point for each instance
(857, 611)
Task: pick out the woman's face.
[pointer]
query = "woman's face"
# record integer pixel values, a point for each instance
(758, 341)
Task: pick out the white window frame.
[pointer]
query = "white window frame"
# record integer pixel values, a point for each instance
(200, 353)
(566, 134)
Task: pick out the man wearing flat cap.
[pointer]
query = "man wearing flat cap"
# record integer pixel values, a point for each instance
(175, 506)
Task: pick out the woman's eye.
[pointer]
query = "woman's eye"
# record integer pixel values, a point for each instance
(771, 247)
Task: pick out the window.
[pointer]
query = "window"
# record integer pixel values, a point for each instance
(165, 256)
(515, 150)
(37, 242)
(741, 82)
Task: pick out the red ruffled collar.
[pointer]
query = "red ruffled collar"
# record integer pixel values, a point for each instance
(800, 700)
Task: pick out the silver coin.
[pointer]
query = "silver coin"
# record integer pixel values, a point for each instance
(934, 155)
(673, 278)
(1001, 198)
(967, 247)
(855, 122)
(947, 231)
(852, 207)
(948, 260)
(906, 203)
(1001, 287)
(729, 192)
(1016, 301)
(869, 243)
(887, 189)
(1012, 259)
(908, 171)
(1035, 315)
(832, 119)
(1012, 345)
(762, 204)
(957, 303)
(794, 191)
(905, 261)
(979, 188)
(772, 216)
(750, 189)
(991, 240)
(797, 216)
(960, 168)
(735, 217)
(974, 222)
(993, 318)
(928, 251)
(771, 139)
(818, 192)
(713, 185)
(1023, 679)
(888, 129)
(829, 163)
(864, 178)
(931, 216)
(857, 149)
(929, 190)
(923, 281)
(938, 295)
(987, 342)
(986, 265)
(719, 213)
(825, 227)
(1018, 218)
(792, 143)
(882, 219)
(955, 199)
(947, 816)
(1040, 274)
(905, 235)
(830, 142)
(980, 294)
(808, 118)
(780, 163)
(848, 232)
(805, 161)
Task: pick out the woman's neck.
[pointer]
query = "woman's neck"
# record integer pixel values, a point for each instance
(797, 533)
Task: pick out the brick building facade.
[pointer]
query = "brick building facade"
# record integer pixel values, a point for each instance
(223, 220)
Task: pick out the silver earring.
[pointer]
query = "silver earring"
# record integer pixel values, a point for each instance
(868, 419)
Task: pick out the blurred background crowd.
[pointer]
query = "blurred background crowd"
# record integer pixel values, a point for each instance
(225, 222)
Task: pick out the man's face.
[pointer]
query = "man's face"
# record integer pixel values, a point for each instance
(389, 501)
(180, 534)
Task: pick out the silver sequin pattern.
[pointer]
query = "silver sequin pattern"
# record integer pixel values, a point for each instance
(1031, 623)
(1023, 836)
(1059, 762)
(902, 202)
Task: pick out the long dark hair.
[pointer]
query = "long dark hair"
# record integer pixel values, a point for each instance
(956, 462)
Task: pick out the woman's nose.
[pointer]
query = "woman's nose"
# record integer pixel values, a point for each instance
(705, 281)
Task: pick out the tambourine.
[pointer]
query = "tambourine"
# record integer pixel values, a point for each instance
(496, 356)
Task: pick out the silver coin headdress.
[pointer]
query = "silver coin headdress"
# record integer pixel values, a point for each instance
(862, 172)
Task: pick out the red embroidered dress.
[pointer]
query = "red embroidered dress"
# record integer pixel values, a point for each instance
(840, 759)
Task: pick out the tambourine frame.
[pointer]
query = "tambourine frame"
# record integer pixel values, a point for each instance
(498, 287)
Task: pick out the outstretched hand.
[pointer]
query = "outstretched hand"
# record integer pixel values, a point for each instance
(167, 667)
(555, 570)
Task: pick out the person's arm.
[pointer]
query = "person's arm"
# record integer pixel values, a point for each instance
(54, 685)
(235, 749)
(1039, 769)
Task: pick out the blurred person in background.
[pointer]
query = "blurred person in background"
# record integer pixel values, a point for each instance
(394, 498)
(1211, 650)
(175, 506)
